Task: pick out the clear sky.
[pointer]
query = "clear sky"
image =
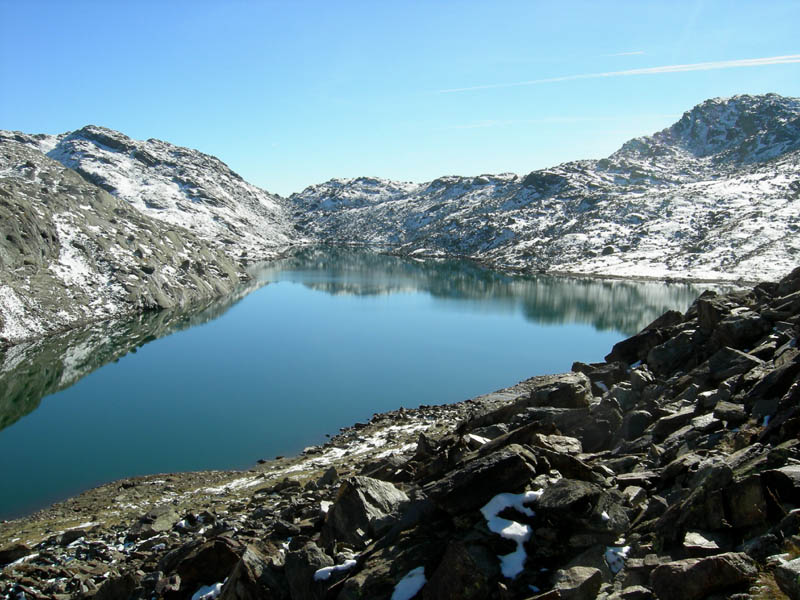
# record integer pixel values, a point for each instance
(293, 93)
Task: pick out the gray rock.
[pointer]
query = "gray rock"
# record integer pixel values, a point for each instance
(301, 564)
(464, 573)
(477, 482)
(158, 520)
(696, 578)
(568, 390)
(577, 583)
(673, 353)
(733, 414)
(787, 576)
(363, 509)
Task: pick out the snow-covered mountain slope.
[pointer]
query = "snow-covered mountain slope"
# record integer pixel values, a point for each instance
(70, 252)
(715, 196)
(177, 185)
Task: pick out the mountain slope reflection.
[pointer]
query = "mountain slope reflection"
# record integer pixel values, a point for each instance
(32, 370)
(625, 306)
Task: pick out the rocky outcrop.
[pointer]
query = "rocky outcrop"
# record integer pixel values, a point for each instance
(71, 253)
(652, 478)
(177, 186)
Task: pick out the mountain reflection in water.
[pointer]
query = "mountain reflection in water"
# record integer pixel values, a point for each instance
(619, 305)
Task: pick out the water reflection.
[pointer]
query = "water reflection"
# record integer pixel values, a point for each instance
(625, 306)
(32, 370)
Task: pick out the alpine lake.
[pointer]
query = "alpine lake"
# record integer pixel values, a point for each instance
(317, 341)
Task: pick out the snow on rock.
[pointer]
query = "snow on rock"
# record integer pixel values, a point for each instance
(616, 556)
(711, 197)
(208, 592)
(325, 573)
(177, 185)
(410, 584)
(71, 253)
(511, 564)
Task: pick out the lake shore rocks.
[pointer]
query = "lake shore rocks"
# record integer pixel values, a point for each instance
(670, 471)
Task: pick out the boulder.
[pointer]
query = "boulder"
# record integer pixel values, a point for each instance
(464, 573)
(200, 563)
(740, 330)
(118, 587)
(725, 363)
(478, 481)
(747, 503)
(364, 508)
(301, 564)
(787, 576)
(160, 519)
(673, 353)
(636, 348)
(696, 578)
(567, 390)
(731, 413)
(13, 552)
(577, 583)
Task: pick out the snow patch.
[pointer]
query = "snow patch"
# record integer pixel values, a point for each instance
(410, 584)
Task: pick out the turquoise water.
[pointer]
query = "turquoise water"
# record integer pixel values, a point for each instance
(329, 339)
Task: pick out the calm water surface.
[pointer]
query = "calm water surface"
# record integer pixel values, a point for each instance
(331, 337)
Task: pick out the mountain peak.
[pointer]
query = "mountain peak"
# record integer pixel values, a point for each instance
(741, 129)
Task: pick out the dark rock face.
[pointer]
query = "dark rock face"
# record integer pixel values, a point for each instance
(673, 480)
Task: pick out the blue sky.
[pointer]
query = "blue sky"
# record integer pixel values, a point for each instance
(294, 93)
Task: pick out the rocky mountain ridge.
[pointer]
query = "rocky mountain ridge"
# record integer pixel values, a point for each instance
(671, 471)
(711, 197)
(72, 253)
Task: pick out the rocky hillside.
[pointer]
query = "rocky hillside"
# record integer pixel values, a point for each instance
(179, 186)
(671, 472)
(70, 252)
(713, 196)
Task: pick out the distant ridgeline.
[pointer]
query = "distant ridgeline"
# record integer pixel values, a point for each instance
(95, 224)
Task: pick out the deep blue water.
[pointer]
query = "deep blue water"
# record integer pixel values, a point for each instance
(333, 337)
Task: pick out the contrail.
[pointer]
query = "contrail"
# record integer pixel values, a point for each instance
(703, 66)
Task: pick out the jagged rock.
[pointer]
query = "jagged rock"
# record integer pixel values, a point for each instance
(364, 508)
(741, 330)
(577, 583)
(733, 414)
(747, 503)
(581, 515)
(155, 521)
(474, 484)
(784, 483)
(568, 390)
(602, 375)
(726, 363)
(675, 352)
(301, 564)
(696, 578)
(787, 576)
(672, 422)
(464, 573)
(13, 552)
(329, 477)
(201, 562)
(637, 347)
(117, 588)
